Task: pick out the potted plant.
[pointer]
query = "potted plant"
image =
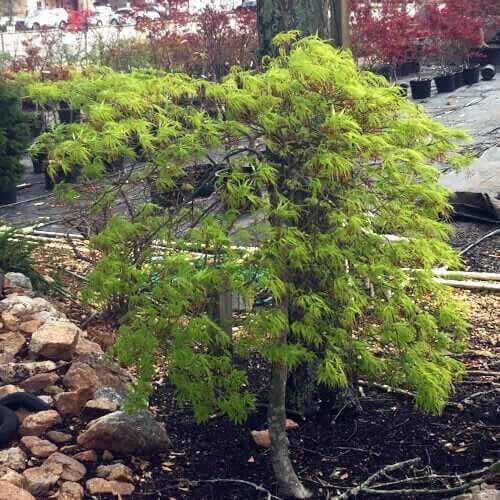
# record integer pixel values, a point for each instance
(13, 141)
(390, 32)
(460, 27)
(421, 86)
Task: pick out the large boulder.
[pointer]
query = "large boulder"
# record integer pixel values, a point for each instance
(98, 372)
(10, 373)
(55, 340)
(122, 433)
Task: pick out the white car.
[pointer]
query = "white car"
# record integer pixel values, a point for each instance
(47, 18)
(163, 10)
(101, 16)
(147, 14)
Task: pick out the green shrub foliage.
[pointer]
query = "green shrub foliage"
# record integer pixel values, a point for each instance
(13, 135)
(329, 163)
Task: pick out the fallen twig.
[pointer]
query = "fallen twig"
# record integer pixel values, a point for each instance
(257, 487)
(480, 393)
(354, 492)
(368, 487)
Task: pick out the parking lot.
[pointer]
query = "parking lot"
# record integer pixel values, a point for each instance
(77, 42)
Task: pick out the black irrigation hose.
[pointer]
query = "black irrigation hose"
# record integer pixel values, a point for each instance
(9, 422)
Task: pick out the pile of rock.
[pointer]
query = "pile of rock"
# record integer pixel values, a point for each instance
(43, 353)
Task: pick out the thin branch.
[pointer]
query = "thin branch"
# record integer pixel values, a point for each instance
(371, 479)
(257, 487)
(480, 240)
(409, 492)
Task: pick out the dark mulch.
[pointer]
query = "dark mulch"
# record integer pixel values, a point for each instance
(333, 451)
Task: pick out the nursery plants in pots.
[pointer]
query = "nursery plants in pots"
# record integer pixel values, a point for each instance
(445, 82)
(459, 77)
(384, 39)
(471, 74)
(13, 141)
(421, 88)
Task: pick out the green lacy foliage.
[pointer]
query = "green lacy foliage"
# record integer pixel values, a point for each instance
(13, 135)
(16, 255)
(329, 159)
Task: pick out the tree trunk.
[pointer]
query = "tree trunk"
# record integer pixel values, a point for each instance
(327, 18)
(289, 483)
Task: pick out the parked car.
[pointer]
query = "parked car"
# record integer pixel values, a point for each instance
(123, 16)
(248, 4)
(162, 9)
(101, 16)
(149, 13)
(46, 18)
(4, 22)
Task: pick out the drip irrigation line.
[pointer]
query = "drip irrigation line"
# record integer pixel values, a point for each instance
(480, 240)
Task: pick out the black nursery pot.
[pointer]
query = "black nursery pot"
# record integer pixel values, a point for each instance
(420, 89)
(445, 83)
(488, 72)
(403, 89)
(492, 55)
(66, 114)
(8, 193)
(39, 164)
(60, 176)
(405, 68)
(471, 75)
(459, 79)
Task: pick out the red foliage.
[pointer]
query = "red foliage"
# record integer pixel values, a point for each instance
(384, 32)
(454, 28)
(77, 19)
(219, 41)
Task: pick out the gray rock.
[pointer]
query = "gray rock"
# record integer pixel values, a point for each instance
(13, 458)
(122, 433)
(39, 382)
(55, 340)
(13, 477)
(10, 345)
(18, 281)
(38, 423)
(10, 373)
(72, 470)
(115, 472)
(9, 491)
(97, 485)
(70, 491)
(41, 480)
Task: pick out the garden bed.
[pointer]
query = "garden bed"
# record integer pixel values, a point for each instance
(334, 451)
